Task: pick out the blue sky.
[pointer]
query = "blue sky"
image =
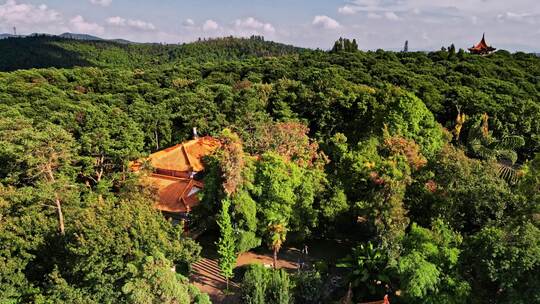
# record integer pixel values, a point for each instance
(427, 24)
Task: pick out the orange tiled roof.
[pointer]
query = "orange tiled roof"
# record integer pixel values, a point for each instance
(184, 157)
(174, 194)
(172, 178)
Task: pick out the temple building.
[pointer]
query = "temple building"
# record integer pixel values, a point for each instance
(176, 175)
(482, 47)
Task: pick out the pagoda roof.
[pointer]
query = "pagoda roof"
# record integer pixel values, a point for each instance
(482, 46)
(172, 177)
(184, 157)
(176, 195)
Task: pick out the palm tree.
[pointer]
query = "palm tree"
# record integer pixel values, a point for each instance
(483, 145)
(278, 234)
(368, 268)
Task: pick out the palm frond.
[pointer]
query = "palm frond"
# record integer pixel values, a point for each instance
(508, 173)
(484, 152)
(506, 156)
(511, 142)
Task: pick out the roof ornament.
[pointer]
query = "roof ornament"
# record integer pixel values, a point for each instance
(195, 135)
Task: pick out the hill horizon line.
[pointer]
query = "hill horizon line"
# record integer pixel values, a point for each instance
(88, 37)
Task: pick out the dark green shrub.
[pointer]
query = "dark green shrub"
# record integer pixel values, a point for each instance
(308, 288)
(254, 285)
(278, 290)
(266, 286)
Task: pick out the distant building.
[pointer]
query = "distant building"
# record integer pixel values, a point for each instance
(176, 175)
(482, 47)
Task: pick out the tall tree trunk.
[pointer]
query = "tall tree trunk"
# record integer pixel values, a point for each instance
(157, 138)
(57, 202)
(275, 257)
(60, 214)
(100, 163)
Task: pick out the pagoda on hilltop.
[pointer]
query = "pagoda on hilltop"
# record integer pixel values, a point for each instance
(482, 47)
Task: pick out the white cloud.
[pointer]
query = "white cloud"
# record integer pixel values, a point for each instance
(347, 10)
(210, 25)
(188, 22)
(101, 2)
(252, 25)
(391, 16)
(141, 25)
(325, 22)
(79, 25)
(519, 17)
(242, 27)
(116, 21)
(371, 15)
(471, 7)
(131, 23)
(13, 14)
(356, 6)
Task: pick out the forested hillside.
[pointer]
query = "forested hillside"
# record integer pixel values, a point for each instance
(60, 52)
(427, 162)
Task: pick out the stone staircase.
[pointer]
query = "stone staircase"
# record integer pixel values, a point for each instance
(206, 271)
(205, 274)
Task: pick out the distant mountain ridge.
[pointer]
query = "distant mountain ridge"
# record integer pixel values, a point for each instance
(79, 36)
(67, 35)
(4, 36)
(70, 50)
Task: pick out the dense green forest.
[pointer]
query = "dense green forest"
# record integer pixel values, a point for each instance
(54, 51)
(428, 163)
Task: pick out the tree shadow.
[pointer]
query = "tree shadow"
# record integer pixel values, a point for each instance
(38, 52)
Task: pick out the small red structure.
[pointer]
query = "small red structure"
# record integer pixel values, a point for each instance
(482, 47)
(384, 301)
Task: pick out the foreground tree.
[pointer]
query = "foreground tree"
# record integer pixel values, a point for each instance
(262, 285)
(428, 267)
(109, 236)
(467, 193)
(278, 235)
(152, 281)
(374, 177)
(41, 156)
(278, 186)
(226, 244)
(503, 264)
(369, 273)
(254, 285)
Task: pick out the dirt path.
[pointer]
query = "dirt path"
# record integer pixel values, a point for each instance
(287, 260)
(206, 276)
